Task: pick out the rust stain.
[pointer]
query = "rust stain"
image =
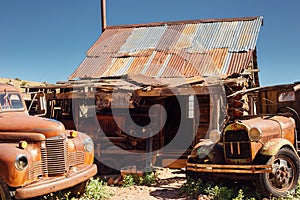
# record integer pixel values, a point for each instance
(156, 64)
(139, 62)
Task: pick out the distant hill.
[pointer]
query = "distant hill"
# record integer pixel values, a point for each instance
(20, 83)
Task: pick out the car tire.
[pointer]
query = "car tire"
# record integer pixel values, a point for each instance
(191, 175)
(4, 191)
(284, 176)
(79, 189)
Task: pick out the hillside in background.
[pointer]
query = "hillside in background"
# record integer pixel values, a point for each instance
(21, 83)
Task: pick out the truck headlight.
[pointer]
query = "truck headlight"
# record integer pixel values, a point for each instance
(215, 136)
(21, 162)
(88, 145)
(254, 134)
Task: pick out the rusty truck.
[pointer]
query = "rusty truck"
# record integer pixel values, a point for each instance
(39, 156)
(261, 146)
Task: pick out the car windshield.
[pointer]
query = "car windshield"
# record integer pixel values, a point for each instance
(10, 101)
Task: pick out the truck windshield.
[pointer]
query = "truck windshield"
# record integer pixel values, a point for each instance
(10, 101)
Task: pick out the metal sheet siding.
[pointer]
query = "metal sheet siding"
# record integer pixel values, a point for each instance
(185, 41)
(117, 66)
(133, 41)
(170, 37)
(186, 48)
(142, 38)
(111, 42)
(238, 62)
(156, 64)
(139, 63)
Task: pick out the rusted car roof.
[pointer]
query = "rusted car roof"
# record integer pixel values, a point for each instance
(7, 87)
(173, 49)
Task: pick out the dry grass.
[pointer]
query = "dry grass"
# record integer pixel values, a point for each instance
(20, 83)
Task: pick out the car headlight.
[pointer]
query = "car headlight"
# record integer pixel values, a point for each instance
(88, 145)
(21, 162)
(255, 134)
(215, 136)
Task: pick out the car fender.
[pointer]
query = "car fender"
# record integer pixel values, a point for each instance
(272, 147)
(8, 171)
(203, 142)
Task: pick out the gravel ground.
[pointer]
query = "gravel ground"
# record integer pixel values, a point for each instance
(168, 187)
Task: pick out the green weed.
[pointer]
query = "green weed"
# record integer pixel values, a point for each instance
(96, 189)
(149, 178)
(217, 191)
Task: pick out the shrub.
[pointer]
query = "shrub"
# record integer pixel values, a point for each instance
(193, 188)
(23, 83)
(149, 178)
(217, 191)
(128, 180)
(96, 189)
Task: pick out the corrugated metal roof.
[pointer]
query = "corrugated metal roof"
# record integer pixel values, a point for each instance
(172, 49)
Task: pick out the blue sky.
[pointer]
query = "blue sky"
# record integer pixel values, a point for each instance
(47, 40)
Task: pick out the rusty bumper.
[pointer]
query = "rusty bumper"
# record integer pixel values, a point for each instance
(75, 176)
(242, 169)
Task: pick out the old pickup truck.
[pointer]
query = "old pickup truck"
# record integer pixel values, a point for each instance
(262, 147)
(38, 155)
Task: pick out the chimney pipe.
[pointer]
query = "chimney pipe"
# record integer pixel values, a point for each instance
(103, 14)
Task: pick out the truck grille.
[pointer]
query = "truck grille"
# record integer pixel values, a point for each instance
(56, 159)
(35, 170)
(76, 158)
(55, 156)
(237, 144)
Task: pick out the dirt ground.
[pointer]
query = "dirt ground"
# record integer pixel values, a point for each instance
(168, 187)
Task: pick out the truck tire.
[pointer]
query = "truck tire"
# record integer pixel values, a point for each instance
(4, 191)
(199, 177)
(78, 190)
(284, 176)
(106, 169)
(191, 175)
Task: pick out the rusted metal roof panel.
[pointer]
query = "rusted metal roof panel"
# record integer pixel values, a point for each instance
(238, 62)
(170, 37)
(95, 66)
(142, 38)
(157, 63)
(110, 41)
(186, 37)
(139, 64)
(185, 48)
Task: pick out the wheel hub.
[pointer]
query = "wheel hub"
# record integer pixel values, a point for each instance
(281, 174)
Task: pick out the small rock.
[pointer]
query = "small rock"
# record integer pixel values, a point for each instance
(203, 197)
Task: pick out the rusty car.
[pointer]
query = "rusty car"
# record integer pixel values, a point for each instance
(261, 146)
(39, 156)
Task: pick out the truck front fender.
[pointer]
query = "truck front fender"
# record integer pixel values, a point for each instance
(272, 147)
(203, 142)
(208, 149)
(8, 171)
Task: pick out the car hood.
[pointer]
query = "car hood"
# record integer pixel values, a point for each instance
(22, 122)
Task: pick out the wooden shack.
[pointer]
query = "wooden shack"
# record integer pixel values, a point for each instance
(153, 90)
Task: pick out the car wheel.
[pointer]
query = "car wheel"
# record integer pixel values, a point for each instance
(4, 191)
(79, 189)
(191, 175)
(107, 168)
(198, 176)
(284, 176)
